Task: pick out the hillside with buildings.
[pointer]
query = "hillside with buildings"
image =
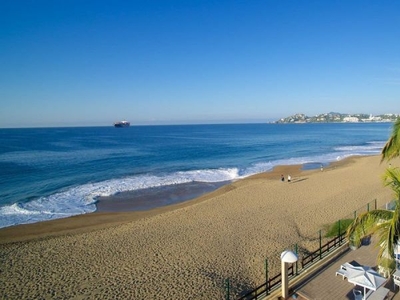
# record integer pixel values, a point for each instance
(338, 118)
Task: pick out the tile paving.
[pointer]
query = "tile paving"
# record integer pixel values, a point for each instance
(323, 284)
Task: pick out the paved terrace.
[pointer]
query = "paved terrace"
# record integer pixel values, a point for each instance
(324, 284)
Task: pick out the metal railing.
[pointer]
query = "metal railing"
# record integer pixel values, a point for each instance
(306, 260)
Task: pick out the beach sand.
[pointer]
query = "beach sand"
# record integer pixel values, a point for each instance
(186, 250)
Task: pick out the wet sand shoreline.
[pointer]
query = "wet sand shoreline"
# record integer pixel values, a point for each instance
(155, 197)
(126, 211)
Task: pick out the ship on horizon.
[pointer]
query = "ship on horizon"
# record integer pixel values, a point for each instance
(122, 124)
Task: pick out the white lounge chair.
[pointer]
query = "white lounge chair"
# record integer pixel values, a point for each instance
(342, 273)
(343, 270)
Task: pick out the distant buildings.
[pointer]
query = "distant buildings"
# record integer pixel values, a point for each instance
(339, 118)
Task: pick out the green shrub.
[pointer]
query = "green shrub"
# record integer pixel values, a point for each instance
(333, 230)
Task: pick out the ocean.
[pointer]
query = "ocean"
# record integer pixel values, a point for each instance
(51, 173)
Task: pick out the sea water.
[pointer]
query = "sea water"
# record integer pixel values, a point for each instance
(50, 173)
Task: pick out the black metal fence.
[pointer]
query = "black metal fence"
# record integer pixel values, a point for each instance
(305, 261)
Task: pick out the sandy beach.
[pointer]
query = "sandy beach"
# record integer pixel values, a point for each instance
(186, 250)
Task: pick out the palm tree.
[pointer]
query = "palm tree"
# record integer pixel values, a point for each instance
(384, 223)
(392, 146)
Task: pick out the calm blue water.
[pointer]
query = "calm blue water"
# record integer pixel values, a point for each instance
(49, 173)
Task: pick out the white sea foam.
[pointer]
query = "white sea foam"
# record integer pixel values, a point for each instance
(340, 153)
(372, 147)
(81, 199)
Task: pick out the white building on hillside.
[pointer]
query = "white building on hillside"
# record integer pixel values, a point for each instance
(350, 119)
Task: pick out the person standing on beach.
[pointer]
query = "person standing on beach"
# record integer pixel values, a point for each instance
(289, 178)
(282, 178)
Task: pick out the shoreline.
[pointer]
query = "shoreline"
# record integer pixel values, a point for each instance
(158, 197)
(151, 198)
(104, 217)
(187, 250)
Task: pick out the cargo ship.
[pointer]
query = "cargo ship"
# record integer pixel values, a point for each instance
(122, 124)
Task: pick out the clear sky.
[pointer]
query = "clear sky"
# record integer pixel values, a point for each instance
(91, 63)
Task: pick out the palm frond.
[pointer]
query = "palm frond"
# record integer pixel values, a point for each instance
(368, 223)
(388, 238)
(391, 178)
(392, 146)
(386, 225)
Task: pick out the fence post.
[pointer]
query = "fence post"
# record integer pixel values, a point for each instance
(368, 207)
(375, 205)
(266, 277)
(339, 233)
(297, 261)
(355, 214)
(227, 289)
(320, 244)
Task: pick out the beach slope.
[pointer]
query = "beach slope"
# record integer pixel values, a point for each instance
(185, 251)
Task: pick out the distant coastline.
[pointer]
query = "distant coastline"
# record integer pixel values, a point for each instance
(334, 117)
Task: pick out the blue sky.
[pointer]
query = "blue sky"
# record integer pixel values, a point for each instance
(91, 63)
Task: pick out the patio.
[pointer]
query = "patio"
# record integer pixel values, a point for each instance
(325, 284)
